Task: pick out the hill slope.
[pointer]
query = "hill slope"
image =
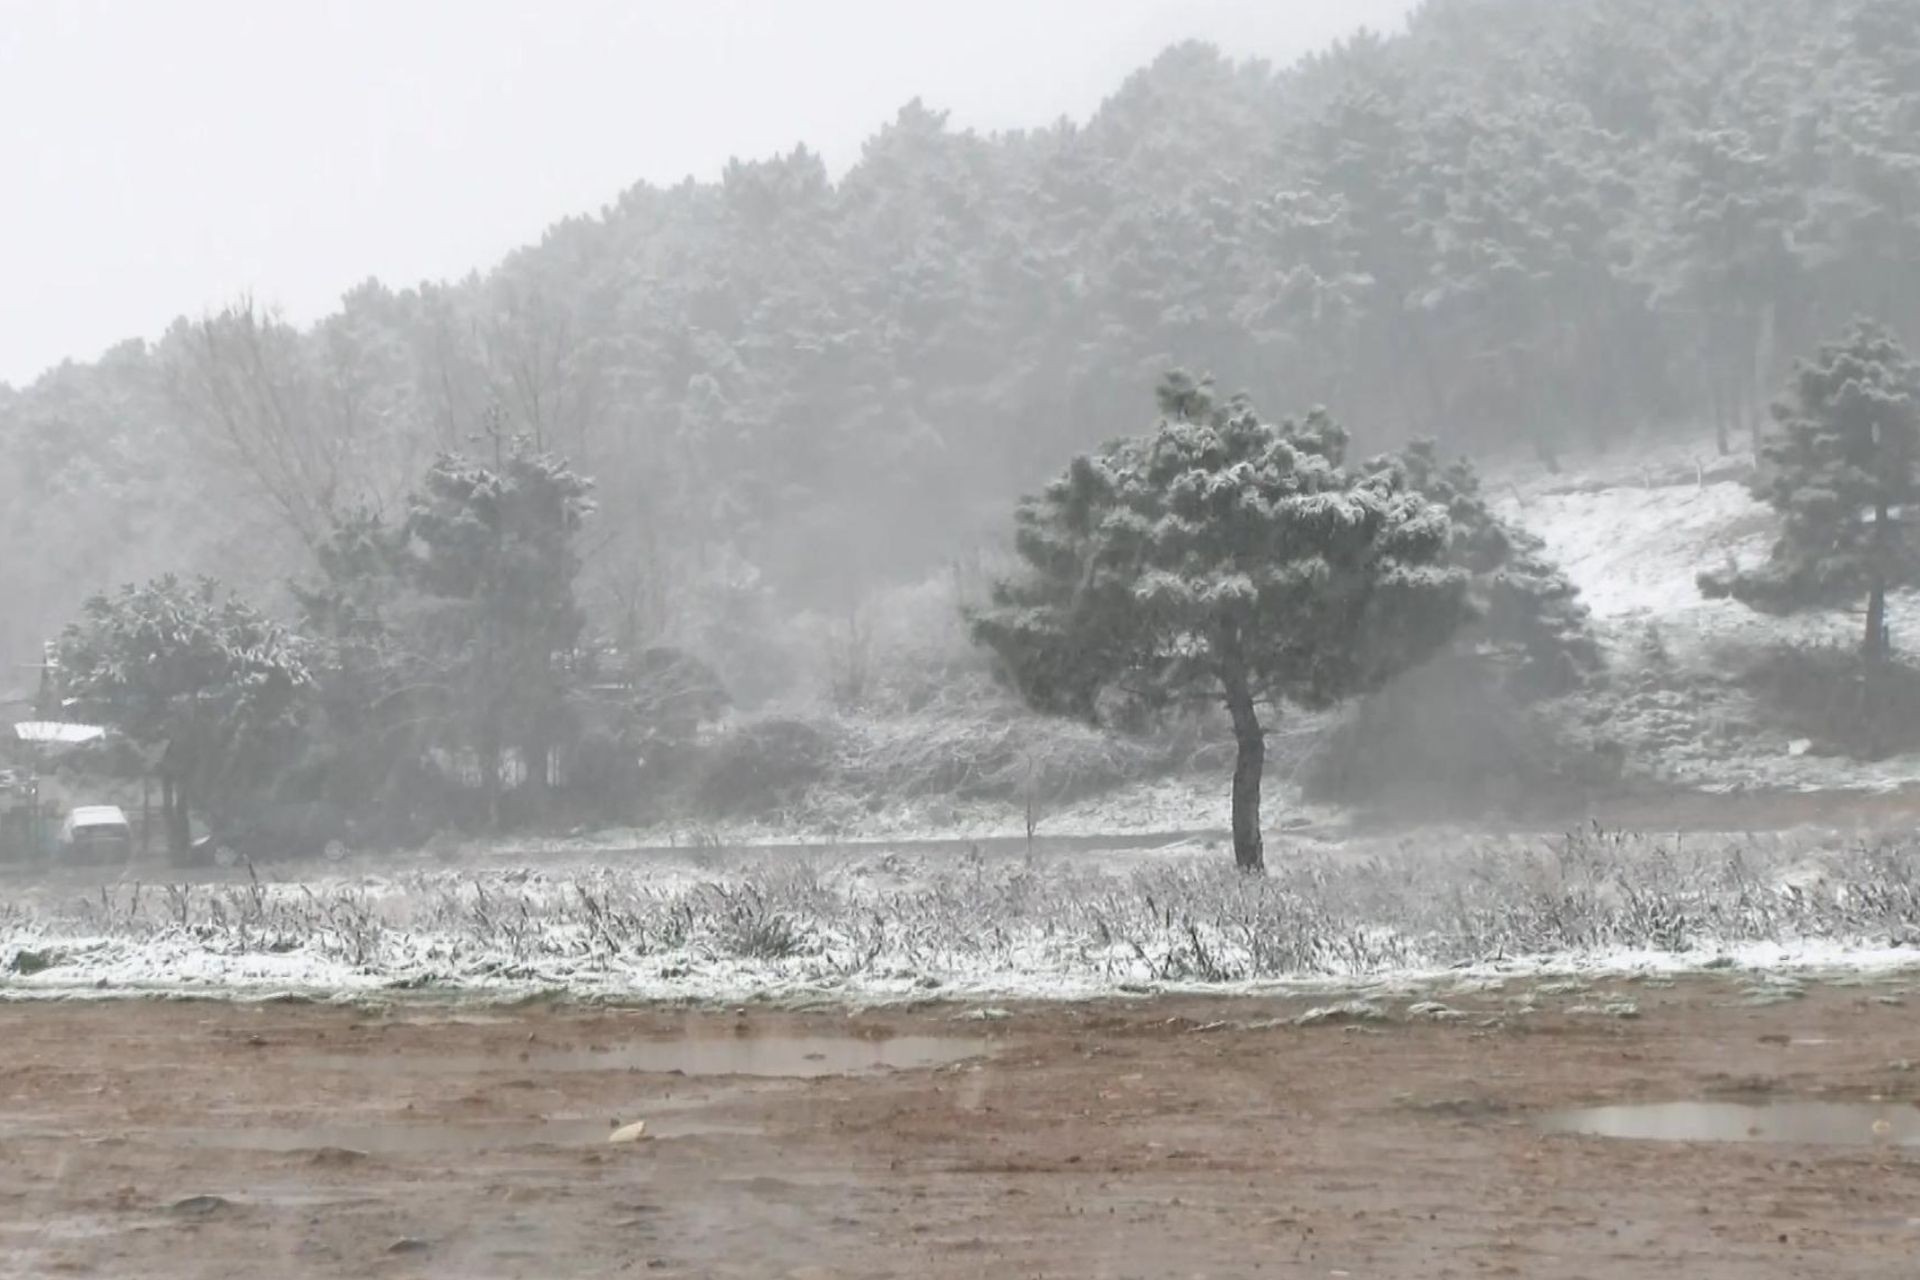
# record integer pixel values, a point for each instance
(1522, 225)
(1688, 694)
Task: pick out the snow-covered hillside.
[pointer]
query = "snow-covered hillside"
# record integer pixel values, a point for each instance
(1635, 539)
(1634, 536)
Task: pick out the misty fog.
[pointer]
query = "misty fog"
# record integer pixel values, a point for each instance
(802, 396)
(861, 575)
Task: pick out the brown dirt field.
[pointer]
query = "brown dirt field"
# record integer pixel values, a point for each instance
(1148, 1138)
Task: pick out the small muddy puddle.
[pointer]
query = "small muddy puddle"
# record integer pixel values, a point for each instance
(791, 1057)
(767, 1056)
(1882, 1124)
(344, 1144)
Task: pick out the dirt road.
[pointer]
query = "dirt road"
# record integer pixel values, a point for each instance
(1153, 1138)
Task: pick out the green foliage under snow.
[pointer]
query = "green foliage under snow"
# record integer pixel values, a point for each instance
(209, 687)
(1843, 470)
(1223, 558)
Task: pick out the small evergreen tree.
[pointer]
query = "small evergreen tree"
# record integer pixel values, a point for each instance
(457, 627)
(1222, 557)
(492, 550)
(1841, 470)
(378, 705)
(196, 675)
(1529, 619)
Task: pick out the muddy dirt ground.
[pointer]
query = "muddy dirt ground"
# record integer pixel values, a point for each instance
(1149, 1138)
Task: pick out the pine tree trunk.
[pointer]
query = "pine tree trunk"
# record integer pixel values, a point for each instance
(1876, 638)
(539, 760)
(173, 809)
(1728, 380)
(489, 753)
(1250, 762)
(1723, 411)
(1765, 343)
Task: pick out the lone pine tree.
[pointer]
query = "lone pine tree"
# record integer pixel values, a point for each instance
(1841, 470)
(1222, 557)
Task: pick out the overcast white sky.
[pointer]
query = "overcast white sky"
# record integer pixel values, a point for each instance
(158, 157)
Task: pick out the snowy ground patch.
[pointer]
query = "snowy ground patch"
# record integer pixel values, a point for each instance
(1634, 541)
(1636, 551)
(865, 925)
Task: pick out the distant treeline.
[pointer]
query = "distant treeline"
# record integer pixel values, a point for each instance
(1525, 223)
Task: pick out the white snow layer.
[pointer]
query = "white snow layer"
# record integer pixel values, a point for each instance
(1636, 551)
(860, 926)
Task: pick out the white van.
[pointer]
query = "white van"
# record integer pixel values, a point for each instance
(97, 833)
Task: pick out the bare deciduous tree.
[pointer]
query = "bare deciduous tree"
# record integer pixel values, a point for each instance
(291, 413)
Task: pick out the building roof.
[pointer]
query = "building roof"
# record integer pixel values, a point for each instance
(59, 732)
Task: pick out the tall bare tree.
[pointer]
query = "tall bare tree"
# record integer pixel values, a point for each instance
(290, 412)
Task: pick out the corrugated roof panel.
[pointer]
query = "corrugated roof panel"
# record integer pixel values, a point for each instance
(56, 731)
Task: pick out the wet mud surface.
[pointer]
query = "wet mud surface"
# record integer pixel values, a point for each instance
(1423, 1135)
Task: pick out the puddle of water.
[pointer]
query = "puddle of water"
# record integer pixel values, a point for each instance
(761, 1055)
(1882, 1124)
(344, 1143)
(70, 1228)
(786, 1057)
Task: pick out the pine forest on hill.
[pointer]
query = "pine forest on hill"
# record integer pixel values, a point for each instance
(1521, 228)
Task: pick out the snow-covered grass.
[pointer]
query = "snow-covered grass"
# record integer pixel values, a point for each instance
(854, 925)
